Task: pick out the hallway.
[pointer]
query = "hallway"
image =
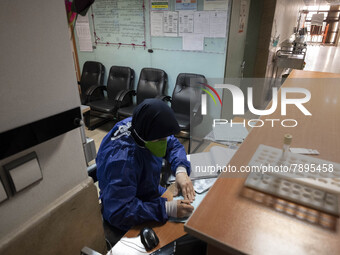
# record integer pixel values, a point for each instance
(323, 59)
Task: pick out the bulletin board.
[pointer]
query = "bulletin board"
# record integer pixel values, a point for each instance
(119, 22)
(128, 23)
(175, 43)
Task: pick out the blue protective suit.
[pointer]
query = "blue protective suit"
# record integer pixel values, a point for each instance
(129, 178)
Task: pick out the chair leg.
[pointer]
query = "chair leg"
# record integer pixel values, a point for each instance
(104, 119)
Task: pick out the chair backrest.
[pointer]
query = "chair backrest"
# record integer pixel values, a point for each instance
(92, 74)
(152, 82)
(120, 78)
(187, 92)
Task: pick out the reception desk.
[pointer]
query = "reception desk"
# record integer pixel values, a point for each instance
(233, 219)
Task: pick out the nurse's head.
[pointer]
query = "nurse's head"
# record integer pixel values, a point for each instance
(152, 122)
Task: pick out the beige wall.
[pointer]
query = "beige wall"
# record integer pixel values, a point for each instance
(262, 50)
(236, 41)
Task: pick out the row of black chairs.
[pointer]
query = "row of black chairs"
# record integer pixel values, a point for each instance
(118, 102)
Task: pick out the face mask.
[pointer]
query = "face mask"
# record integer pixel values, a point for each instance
(157, 148)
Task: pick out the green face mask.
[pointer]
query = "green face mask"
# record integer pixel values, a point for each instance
(157, 148)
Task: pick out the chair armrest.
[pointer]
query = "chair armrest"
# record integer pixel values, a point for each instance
(93, 88)
(91, 92)
(164, 98)
(124, 97)
(123, 93)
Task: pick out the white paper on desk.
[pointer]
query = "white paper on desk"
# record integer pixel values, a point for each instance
(193, 42)
(156, 23)
(83, 33)
(210, 136)
(195, 204)
(128, 246)
(218, 24)
(186, 22)
(170, 24)
(226, 132)
(205, 164)
(208, 164)
(202, 185)
(201, 23)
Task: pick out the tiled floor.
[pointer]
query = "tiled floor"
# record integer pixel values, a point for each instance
(323, 59)
(98, 134)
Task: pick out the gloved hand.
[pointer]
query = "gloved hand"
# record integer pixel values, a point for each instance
(178, 208)
(184, 208)
(185, 185)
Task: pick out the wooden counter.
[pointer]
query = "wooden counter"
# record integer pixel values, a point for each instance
(233, 218)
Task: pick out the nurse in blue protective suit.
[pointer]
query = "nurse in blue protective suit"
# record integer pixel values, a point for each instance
(129, 164)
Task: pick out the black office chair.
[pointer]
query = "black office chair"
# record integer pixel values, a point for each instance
(120, 79)
(186, 102)
(152, 84)
(92, 76)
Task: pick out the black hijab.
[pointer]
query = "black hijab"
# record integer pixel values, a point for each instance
(153, 119)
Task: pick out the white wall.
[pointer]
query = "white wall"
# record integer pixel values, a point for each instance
(38, 80)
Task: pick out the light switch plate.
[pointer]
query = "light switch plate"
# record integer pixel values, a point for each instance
(3, 194)
(23, 172)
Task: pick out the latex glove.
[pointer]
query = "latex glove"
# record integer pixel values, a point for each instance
(185, 185)
(184, 208)
(178, 208)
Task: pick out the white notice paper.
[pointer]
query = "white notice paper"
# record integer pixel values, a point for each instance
(186, 22)
(193, 42)
(201, 23)
(215, 5)
(83, 33)
(170, 24)
(156, 23)
(218, 24)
